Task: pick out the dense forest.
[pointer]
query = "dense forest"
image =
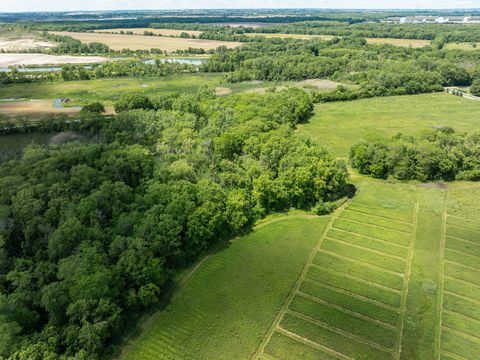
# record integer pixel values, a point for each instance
(436, 154)
(91, 232)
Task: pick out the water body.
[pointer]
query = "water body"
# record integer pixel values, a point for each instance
(59, 68)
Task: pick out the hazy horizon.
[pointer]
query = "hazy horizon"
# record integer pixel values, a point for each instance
(125, 5)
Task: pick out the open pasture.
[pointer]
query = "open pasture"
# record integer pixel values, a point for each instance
(34, 108)
(140, 42)
(141, 31)
(342, 124)
(349, 300)
(462, 46)
(388, 276)
(107, 90)
(229, 303)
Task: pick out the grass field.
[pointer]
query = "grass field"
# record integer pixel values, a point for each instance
(340, 125)
(229, 303)
(106, 90)
(387, 41)
(462, 46)
(140, 42)
(394, 275)
(141, 31)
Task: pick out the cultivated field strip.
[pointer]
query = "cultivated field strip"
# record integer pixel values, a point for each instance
(349, 301)
(460, 305)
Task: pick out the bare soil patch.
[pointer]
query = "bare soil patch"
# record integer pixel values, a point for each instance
(24, 44)
(221, 91)
(43, 59)
(34, 107)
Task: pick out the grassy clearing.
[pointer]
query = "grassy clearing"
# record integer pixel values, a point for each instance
(291, 36)
(140, 42)
(229, 303)
(107, 90)
(462, 46)
(340, 125)
(141, 31)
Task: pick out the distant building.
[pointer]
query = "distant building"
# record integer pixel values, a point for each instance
(403, 20)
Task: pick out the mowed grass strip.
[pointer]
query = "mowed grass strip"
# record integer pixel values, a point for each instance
(463, 233)
(389, 211)
(228, 305)
(458, 271)
(372, 231)
(471, 224)
(376, 220)
(333, 340)
(340, 320)
(328, 261)
(286, 348)
(462, 305)
(464, 246)
(355, 304)
(339, 125)
(364, 255)
(459, 345)
(463, 259)
(374, 244)
(462, 287)
(355, 285)
(461, 323)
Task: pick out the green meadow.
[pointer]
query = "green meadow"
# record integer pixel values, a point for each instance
(339, 125)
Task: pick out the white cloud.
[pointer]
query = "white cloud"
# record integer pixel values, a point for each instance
(55, 5)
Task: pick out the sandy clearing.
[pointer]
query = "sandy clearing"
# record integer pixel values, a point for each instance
(221, 91)
(43, 59)
(140, 31)
(320, 84)
(34, 107)
(24, 44)
(140, 42)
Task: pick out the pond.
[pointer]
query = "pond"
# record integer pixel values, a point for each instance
(29, 69)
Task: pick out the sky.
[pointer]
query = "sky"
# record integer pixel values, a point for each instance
(76, 5)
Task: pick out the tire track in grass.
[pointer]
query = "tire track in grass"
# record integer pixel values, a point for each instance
(288, 300)
(441, 282)
(403, 302)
